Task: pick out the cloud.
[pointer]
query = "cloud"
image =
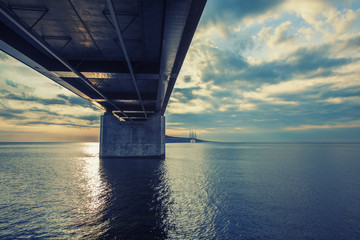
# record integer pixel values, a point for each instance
(223, 66)
(93, 119)
(11, 83)
(60, 100)
(184, 94)
(339, 100)
(306, 62)
(341, 22)
(246, 106)
(290, 88)
(243, 43)
(4, 91)
(45, 114)
(74, 100)
(222, 18)
(331, 18)
(27, 98)
(353, 91)
(277, 36)
(46, 111)
(11, 115)
(59, 124)
(193, 106)
(349, 44)
(315, 58)
(353, 124)
(311, 11)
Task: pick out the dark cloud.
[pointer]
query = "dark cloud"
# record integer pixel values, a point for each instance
(345, 92)
(4, 91)
(244, 43)
(12, 114)
(43, 101)
(221, 65)
(308, 111)
(311, 59)
(63, 96)
(186, 93)
(93, 119)
(11, 83)
(39, 110)
(224, 66)
(227, 92)
(187, 78)
(284, 37)
(74, 100)
(60, 100)
(52, 123)
(353, 43)
(18, 115)
(15, 111)
(226, 60)
(319, 93)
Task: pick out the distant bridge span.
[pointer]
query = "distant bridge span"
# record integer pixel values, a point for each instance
(123, 56)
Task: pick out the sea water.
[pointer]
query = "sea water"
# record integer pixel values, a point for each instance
(200, 191)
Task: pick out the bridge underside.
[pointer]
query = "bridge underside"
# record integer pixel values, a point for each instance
(123, 56)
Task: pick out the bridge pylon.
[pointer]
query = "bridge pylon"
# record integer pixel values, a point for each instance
(132, 139)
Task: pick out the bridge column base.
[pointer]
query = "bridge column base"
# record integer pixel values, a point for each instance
(136, 139)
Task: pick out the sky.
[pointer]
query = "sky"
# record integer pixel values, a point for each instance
(256, 71)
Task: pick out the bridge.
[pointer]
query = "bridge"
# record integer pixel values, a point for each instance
(123, 56)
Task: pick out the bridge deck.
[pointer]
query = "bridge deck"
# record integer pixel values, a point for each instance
(122, 55)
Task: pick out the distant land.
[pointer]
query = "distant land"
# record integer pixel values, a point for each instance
(171, 139)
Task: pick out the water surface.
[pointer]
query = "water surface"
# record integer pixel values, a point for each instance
(200, 191)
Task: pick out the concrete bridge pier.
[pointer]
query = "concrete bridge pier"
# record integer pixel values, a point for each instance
(132, 139)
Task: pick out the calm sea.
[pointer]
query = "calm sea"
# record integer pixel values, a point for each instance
(200, 191)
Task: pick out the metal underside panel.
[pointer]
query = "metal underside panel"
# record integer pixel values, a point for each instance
(122, 55)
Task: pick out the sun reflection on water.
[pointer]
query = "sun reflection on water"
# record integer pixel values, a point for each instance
(95, 188)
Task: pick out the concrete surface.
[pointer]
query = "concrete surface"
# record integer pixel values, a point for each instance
(136, 139)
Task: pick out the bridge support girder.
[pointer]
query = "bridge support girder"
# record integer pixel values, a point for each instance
(132, 139)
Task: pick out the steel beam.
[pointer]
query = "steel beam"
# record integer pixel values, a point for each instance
(150, 112)
(194, 13)
(172, 33)
(43, 10)
(126, 101)
(119, 34)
